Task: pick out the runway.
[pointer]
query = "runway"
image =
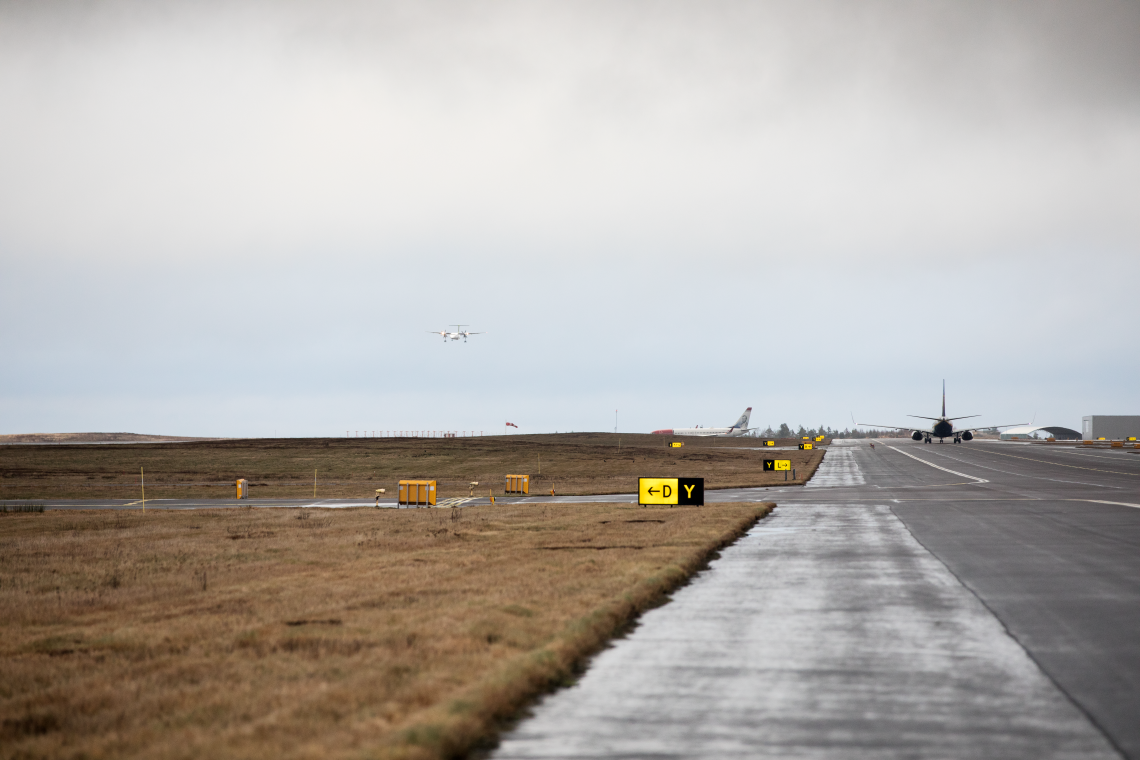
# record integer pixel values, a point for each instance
(977, 600)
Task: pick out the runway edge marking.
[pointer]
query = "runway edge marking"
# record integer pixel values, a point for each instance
(1116, 503)
(931, 464)
(1045, 461)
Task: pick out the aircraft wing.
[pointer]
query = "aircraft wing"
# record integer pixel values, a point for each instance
(984, 427)
(889, 427)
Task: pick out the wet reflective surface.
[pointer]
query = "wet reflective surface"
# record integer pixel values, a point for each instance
(831, 630)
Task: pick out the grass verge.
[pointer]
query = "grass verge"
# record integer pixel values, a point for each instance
(571, 463)
(313, 633)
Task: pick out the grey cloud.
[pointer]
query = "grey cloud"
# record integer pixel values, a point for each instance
(593, 180)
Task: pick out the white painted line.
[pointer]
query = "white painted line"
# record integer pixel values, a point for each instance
(336, 505)
(931, 464)
(1117, 503)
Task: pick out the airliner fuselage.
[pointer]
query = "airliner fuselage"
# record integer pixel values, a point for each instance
(740, 428)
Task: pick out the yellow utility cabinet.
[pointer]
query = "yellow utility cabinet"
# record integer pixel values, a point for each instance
(518, 484)
(417, 493)
(242, 489)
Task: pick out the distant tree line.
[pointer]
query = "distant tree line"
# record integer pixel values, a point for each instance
(786, 432)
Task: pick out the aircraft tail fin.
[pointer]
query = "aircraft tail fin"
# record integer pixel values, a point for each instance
(742, 423)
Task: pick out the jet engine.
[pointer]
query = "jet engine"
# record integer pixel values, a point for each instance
(916, 435)
(967, 435)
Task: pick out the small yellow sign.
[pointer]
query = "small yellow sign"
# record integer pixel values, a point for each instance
(676, 444)
(679, 491)
(777, 464)
(1131, 438)
(805, 446)
(769, 443)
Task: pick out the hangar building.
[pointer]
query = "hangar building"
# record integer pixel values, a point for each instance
(1110, 426)
(1026, 431)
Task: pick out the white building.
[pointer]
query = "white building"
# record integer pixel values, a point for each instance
(1026, 431)
(1111, 427)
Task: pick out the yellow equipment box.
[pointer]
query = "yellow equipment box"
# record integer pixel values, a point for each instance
(518, 484)
(805, 446)
(417, 493)
(242, 489)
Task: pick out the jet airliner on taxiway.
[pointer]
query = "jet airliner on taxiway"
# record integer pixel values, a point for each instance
(740, 428)
(943, 426)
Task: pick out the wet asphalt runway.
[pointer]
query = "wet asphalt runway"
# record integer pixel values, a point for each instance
(977, 600)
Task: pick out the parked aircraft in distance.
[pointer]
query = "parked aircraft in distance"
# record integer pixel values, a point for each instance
(459, 333)
(740, 428)
(943, 426)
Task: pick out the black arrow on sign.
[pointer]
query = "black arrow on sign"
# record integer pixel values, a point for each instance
(652, 491)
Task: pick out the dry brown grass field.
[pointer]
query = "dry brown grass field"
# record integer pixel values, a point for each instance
(287, 633)
(572, 463)
(93, 438)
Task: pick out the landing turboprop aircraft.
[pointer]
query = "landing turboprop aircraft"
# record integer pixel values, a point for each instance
(740, 428)
(942, 427)
(460, 333)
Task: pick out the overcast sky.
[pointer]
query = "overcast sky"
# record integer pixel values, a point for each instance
(242, 218)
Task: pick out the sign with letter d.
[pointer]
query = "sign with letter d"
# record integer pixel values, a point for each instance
(672, 491)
